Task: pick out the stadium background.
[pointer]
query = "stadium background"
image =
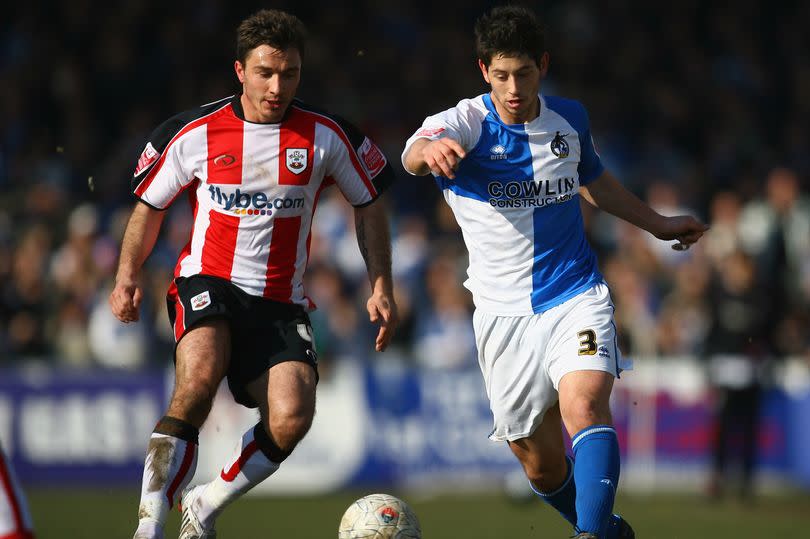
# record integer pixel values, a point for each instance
(697, 106)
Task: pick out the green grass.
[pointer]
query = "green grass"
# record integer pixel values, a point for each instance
(101, 513)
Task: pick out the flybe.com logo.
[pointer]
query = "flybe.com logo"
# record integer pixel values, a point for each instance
(247, 203)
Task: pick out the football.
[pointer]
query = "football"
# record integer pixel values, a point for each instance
(379, 516)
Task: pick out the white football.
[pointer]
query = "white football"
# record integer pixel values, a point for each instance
(379, 516)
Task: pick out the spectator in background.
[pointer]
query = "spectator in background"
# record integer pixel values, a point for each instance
(443, 336)
(737, 349)
(25, 297)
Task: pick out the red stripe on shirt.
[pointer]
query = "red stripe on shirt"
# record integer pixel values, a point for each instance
(144, 185)
(193, 203)
(219, 245)
(295, 148)
(188, 458)
(237, 466)
(282, 258)
(18, 535)
(334, 126)
(8, 486)
(226, 137)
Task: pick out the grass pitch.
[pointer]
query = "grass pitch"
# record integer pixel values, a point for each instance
(96, 513)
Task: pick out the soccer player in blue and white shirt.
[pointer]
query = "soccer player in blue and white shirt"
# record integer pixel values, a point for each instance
(512, 164)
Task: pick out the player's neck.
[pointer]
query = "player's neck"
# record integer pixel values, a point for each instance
(523, 117)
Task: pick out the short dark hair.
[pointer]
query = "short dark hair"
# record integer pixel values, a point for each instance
(272, 27)
(511, 31)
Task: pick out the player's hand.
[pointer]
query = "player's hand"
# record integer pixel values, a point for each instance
(125, 301)
(382, 310)
(443, 156)
(684, 228)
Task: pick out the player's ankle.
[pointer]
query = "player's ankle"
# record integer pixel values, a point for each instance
(149, 528)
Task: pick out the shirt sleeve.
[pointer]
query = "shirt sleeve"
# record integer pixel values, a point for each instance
(590, 165)
(356, 164)
(459, 123)
(160, 174)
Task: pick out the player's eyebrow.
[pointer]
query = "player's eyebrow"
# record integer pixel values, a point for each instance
(267, 69)
(506, 72)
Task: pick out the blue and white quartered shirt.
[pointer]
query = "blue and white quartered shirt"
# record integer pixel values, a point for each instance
(515, 197)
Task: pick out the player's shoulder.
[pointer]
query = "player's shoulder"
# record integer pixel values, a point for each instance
(470, 109)
(327, 117)
(177, 123)
(342, 128)
(570, 110)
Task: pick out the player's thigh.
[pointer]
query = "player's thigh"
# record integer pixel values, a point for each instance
(286, 393)
(200, 308)
(275, 334)
(583, 359)
(511, 357)
(585, 399)
(544, 449)
(202, 355)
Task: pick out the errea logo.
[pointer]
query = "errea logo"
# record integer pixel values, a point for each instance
(497, 152)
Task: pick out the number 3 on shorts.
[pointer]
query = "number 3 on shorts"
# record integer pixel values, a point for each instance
(587, 342)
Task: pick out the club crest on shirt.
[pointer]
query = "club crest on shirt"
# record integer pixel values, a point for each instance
(200, 301)
(296, 159)
(559, 146)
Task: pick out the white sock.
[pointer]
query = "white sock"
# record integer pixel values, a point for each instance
(170, 465)
(245, 469)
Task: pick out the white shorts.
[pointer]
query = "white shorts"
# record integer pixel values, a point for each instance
(523, 358)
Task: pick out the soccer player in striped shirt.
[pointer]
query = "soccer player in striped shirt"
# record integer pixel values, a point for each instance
(15, 520)
(513, 164)
(252, 167)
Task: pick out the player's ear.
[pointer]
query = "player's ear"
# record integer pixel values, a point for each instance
(240, 70)
(484, 70)
(544, 61)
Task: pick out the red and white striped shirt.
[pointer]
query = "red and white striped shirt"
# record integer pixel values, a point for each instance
(253, 189)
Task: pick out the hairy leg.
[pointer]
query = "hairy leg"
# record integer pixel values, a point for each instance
(286, 397)
(201, 363)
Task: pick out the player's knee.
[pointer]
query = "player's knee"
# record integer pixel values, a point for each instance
(585, 411)
(194, 397)
(288, 426)
(547, 474)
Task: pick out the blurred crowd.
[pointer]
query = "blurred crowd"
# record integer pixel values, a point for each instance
(699, 107)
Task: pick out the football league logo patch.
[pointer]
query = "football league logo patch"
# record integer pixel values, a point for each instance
(148, 156)
(372, 158)
(297, 159)
(429, 131)
(559, 146)
(200, 301)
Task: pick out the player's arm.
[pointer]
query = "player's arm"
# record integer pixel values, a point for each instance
(441, 157)
(374, 240)
(607, 194)
(139, 239)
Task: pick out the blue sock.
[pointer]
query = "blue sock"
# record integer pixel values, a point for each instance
(596, 474)
(563, 499)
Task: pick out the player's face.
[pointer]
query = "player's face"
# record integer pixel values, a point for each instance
(515, 83)
(269, 80)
